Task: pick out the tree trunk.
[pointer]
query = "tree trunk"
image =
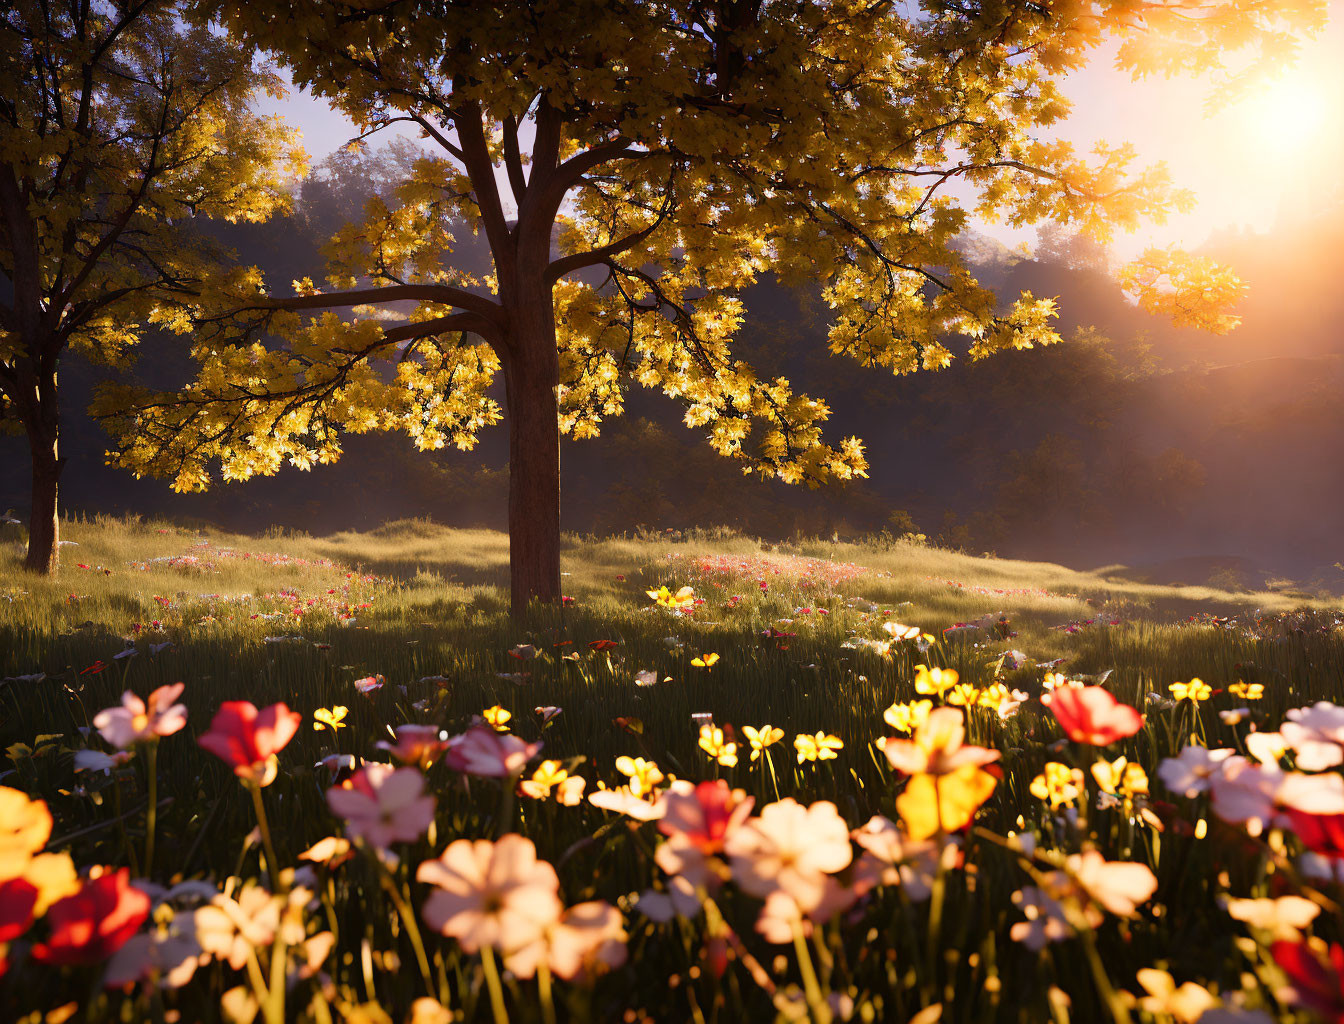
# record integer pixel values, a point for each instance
(531, 374)
(43, 521)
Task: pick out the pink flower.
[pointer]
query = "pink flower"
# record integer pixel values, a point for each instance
(588, 938)
(248, 739)
(790, 847)
(704, 815)
(1316, 735)
(418, 745)
(1119, 886)
(491, 894)
(369, 685)
(622, 801)
(1193, 770)
(135, 721)
(781, 916)
(383, 805)
(482, 751)
(1089, 714)
(937, 747)
(890, 857)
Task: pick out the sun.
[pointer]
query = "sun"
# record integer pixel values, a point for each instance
(1299, 112)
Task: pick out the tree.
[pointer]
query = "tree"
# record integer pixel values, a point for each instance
(118, 126)
(660, 157)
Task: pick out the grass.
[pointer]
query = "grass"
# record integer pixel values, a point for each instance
(298, 618)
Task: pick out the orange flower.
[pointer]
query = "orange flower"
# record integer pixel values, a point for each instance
(1089, 714)
(937, 747)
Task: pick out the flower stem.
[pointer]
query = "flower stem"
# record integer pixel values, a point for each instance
(152, 811)
(492, 983)
(544, 990)
(412, 927)
(1119, 1013)
(272, 865)
(821, 1013)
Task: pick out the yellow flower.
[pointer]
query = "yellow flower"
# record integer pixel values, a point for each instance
(683, 598)
(993, 695)
(332, 718)
(1058, 681)
(1121, 777)
(1196, 690)
(643, 775)
(964, 695)
(497, 717)
(547, 775)
(936, 681)
(711, 742)
(705, 661)
(765, 736)
(909, 716)
(929, 805)
(819, 747)
(1247, 691)
(1057, 783)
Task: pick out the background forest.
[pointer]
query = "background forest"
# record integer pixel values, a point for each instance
(1134, 442)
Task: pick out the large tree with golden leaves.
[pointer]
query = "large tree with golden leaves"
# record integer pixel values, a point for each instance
(118, 128)
(633, 165)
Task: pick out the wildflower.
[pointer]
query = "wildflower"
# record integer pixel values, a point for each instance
(1090, 714)
(586, 939)
(497, 717)
(546, 713)
(622, 801)
(781, 918)
(945, 802)
(963, 695)
(332, 718)
(1127, 778)
(819, 746)
(383, 805)
(890, 857)
(705, 815)
(482, 751)
(1314, 983)
(1315, 735)
(547, 775)
(523, 652)
(231, 928)
(760, 739)
(790, 848)
(707, 661)
(369, 685)
(644, 775)
(1195, 691)
(1118, 886)
(908, 717)
(248, 739)
(1286, 917)
(1059, 681)
(137, 721)
(713, 744)
(664, 598)
(935, 681)
(1186, 1004)
(1247, 691)
(1234, 716)
(1045, 919)
(329, 851)
(1266, 747)
(495, 894)
(1192, 771)
(937, 746)
(93, 923)
(418, 745)
(1057, 783)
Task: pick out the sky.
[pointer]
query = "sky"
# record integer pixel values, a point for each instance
(1248, 162)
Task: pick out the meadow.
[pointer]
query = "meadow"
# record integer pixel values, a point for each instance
(828, 781)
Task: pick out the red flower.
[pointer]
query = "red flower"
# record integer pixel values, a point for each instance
(705, 814)
(1316, 985)
(1089, 714)
(603, 645)
(248, 739)
(18, 898)
(1320, 833)
(95, 922)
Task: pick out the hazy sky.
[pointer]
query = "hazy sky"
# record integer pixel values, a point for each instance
(1275, 150)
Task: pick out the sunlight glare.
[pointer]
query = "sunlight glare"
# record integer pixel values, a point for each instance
(1297, 113)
